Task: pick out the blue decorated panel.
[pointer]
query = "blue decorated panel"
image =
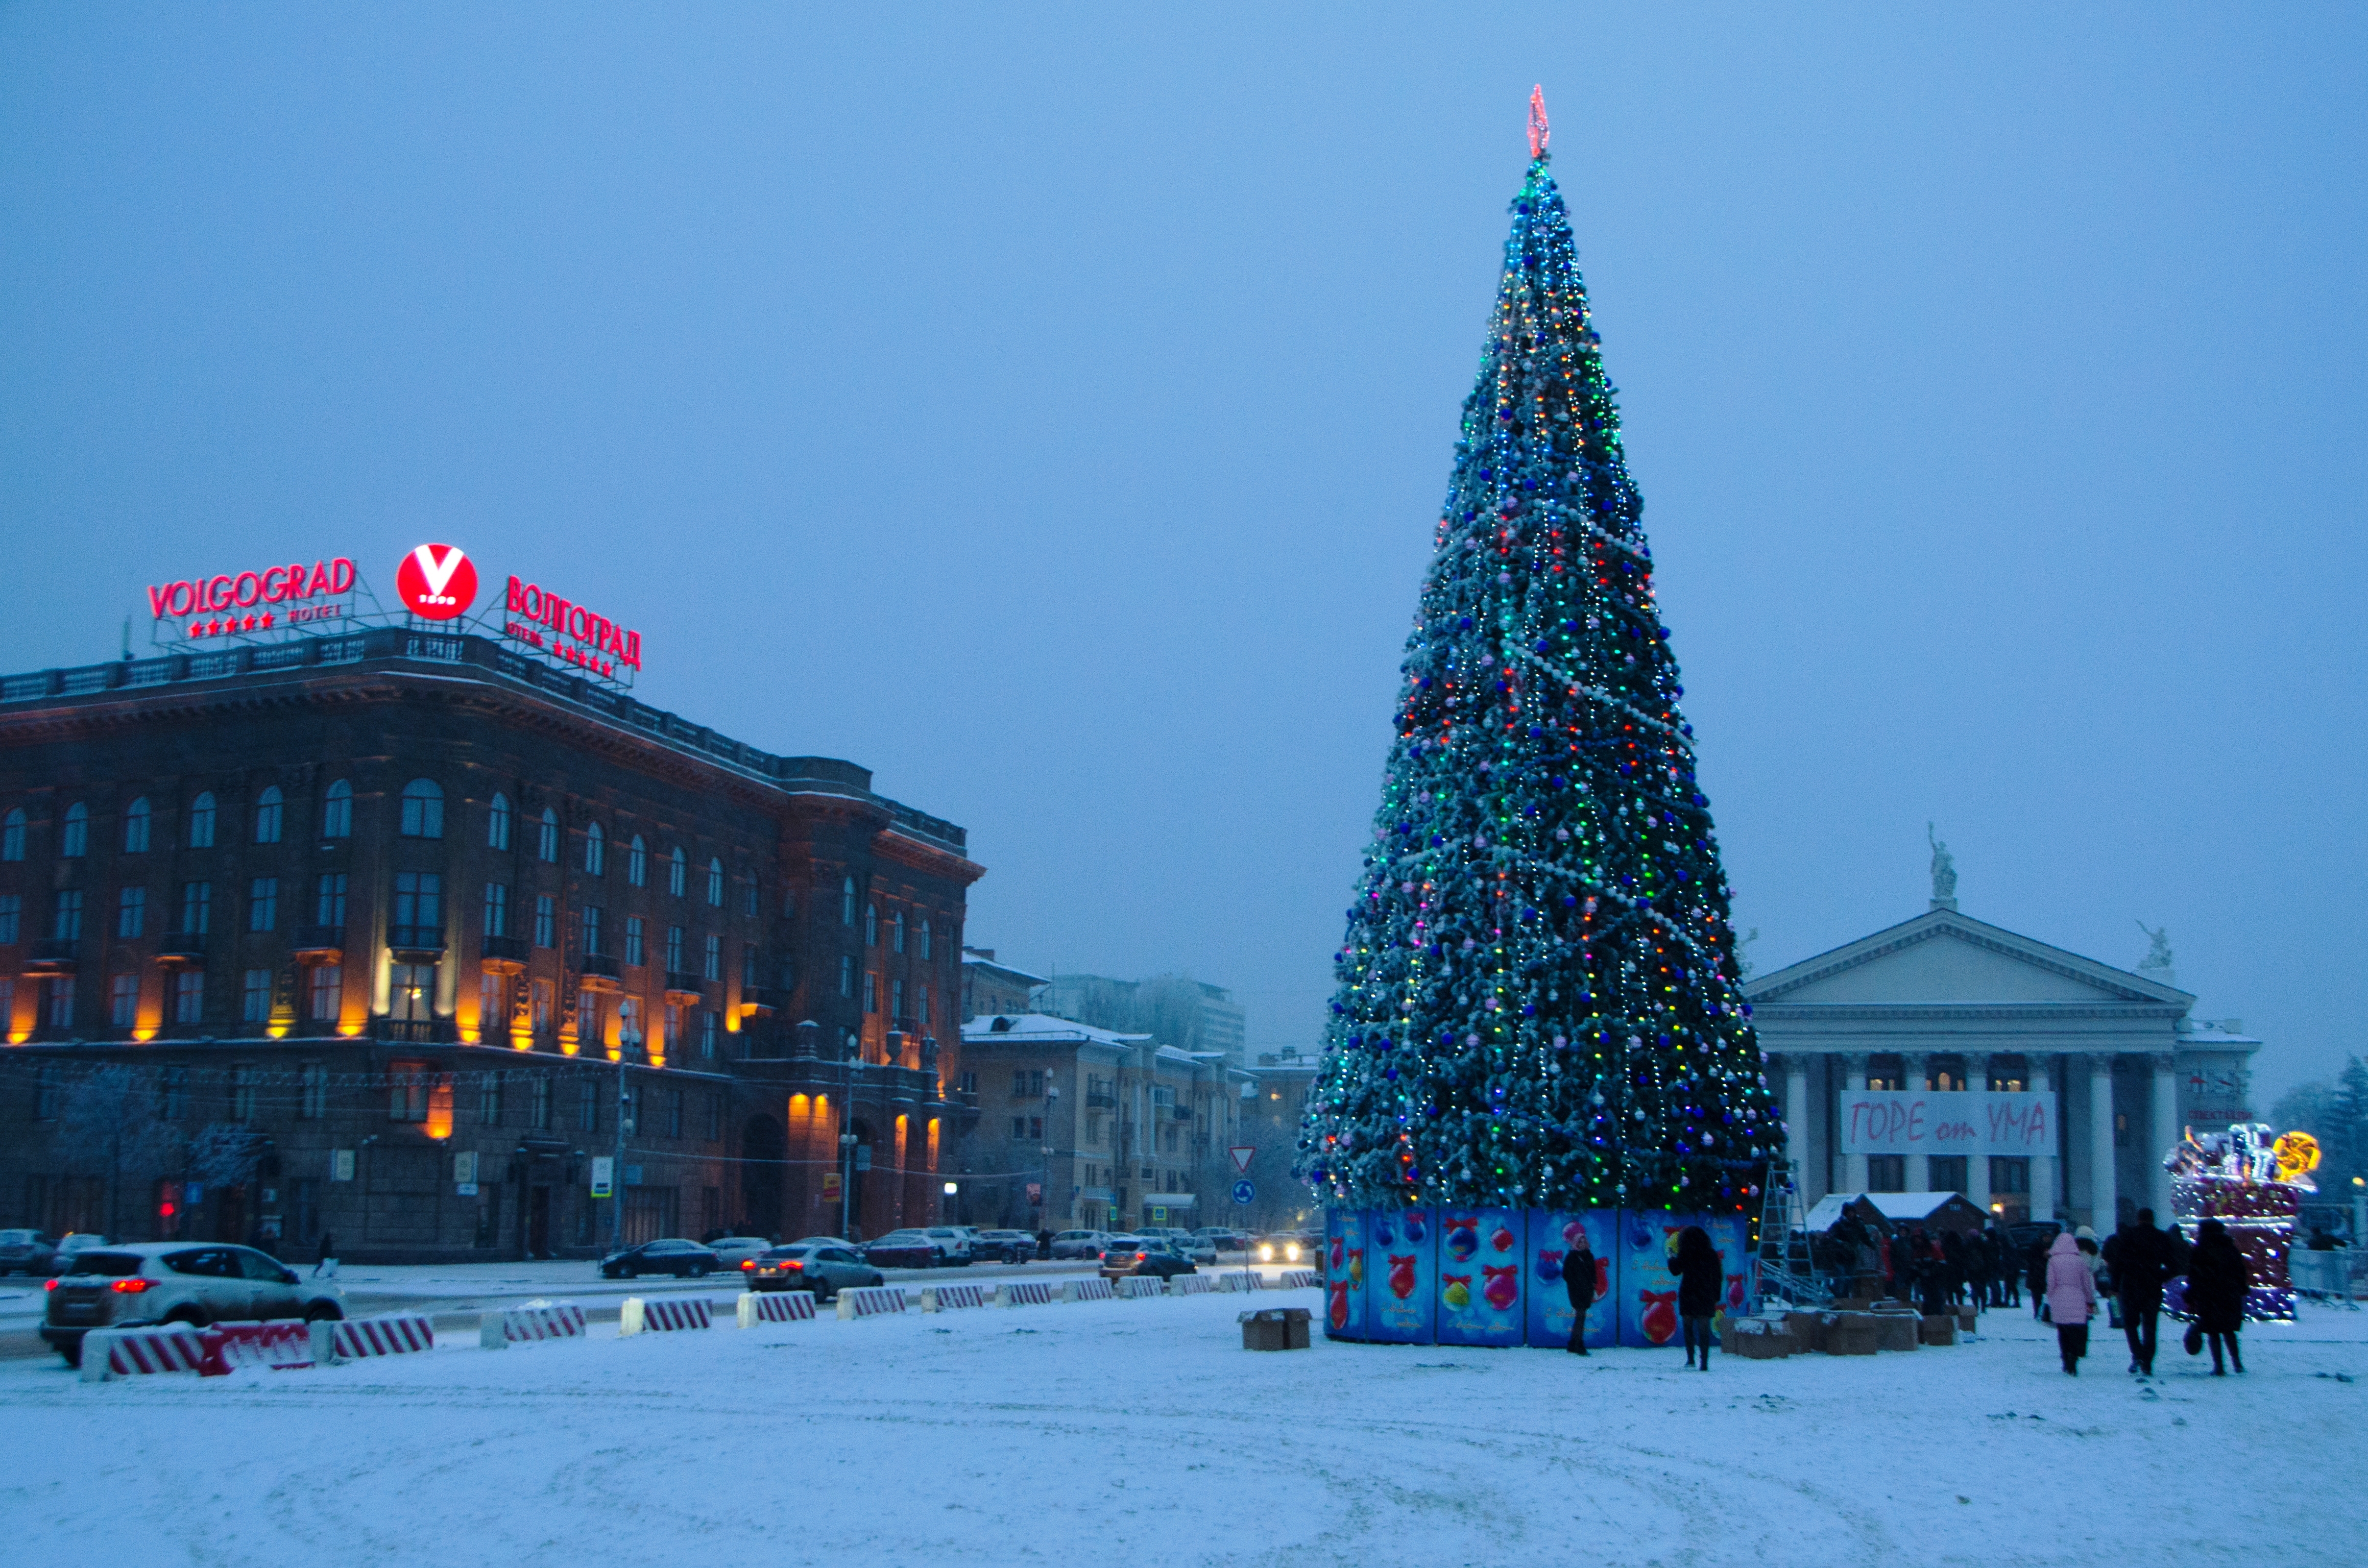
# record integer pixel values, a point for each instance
(1344, 1274)
(1646, 1289)
(1401, 1277)
(1552, 1233)
(1481, 1253)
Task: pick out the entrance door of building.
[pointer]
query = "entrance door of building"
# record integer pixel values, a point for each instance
(538, 1221)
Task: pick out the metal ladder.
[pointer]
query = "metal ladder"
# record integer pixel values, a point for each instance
(1786, 1267)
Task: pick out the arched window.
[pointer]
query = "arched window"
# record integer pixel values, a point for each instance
(12, 835)
(337, 811)
(677, 873)
(847, 903)
(498, 822)
(871, 925)
(75, 842)
(135, 827)
(269, 808)
(423, 809)
(715, 883)
(637, 863)
(596, 850)
(201, 823)
(546, 846)
(896, 931)
(924, 946)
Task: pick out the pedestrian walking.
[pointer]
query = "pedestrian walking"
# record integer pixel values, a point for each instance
(2035, 1271)
(2218, 1278)
(1578, 1278)
(2142, 1259)
(1701, 1279)
(328, 1258)
(2071, 1297)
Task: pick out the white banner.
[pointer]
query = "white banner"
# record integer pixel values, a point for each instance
(1969, 1121)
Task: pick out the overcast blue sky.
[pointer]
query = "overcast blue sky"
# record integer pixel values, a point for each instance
(1048, 407)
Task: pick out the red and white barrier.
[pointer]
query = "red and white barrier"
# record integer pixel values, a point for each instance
(951, 1297)
(281, 1345)
(870, 1302)
(1025, 1293)
(1136, 1287)
(358, 1340)
(775, 1306)
(1094, 1289)
(111, 1353)
(1244, 1280)
(1192, 1285)
(530, 1325)
(1300, 1279)
(662, 1314)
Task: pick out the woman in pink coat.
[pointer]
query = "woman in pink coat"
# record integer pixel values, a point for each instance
(2071, 1299)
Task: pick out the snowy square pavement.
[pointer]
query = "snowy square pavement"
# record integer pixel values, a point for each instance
(1141, 1432)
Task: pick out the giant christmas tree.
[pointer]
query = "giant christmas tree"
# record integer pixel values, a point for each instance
(1538, 999)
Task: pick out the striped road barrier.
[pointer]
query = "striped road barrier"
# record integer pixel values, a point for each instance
(358, 1340)
(1136, 1287)
(530, 1325)
(1025, 1293)
(662, 1314)
(1094, 1289)
(775, 1306)
(870, 1302)
(951, 1298)
(1244, 1280)
(1300, 1279)
(1192, 1285)
(111, 1353)
(281, 1345)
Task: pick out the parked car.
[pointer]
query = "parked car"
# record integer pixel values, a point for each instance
(1198, 1247)
(953, 1242)
(902, 1249)
(1143, 1255)
(1225, 1238)
(683, 1259)
(825, 1269)
(71, 1243)
(148, 1282)
(1006, 1246)
(732, 1251)
(1080, 1243)
(25, 1252)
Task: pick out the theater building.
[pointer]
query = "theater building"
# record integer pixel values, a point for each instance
(406, 933)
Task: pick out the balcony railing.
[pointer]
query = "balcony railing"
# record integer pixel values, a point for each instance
(599, 971)
(51, 955)
(417, 944)
(1101, 1099)
(415, 1031)
(318, 944)
(505, 955)
(686, 986)
(762, 1001)
(182, 949)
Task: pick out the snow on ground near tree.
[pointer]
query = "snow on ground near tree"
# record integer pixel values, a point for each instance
(1141, 1432)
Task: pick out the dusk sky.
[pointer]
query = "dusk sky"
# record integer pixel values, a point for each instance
(1050, 408)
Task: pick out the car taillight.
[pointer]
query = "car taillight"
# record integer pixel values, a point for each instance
(793, 1263)
(747, 1263)
(131, 1287)
(51, 1286)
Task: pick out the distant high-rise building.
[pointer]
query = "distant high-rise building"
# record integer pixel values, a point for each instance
(1174, 1009)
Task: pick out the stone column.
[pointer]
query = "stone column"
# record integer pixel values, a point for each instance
(2101, 1144)
(1915, 1077)
(2040, 1076)
(1853, 1166)
(1978, 1164)
(1800, 1138)
(2163, 1125)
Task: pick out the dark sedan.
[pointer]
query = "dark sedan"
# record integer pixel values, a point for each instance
(825, 1269)
(903, 1249)
(683, 1259)
(25, 1252)
(1142, 1255)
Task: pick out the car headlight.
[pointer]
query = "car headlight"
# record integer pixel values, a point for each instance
(1265, 1252)
(1291, 1252)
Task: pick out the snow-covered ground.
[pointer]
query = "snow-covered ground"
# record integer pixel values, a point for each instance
(1141, 1432)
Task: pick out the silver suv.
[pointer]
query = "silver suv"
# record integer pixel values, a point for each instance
(197, 1283)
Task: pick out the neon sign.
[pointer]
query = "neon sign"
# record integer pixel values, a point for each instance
(569, 631)
(232, 601)
(435, 582)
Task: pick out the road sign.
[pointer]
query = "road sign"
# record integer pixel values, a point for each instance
(1244, 1192)
(830, 1185)
(604, 1169)
(1243, 1154)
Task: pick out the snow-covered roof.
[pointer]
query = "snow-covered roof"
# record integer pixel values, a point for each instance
(1044, 1026)
(1831, 1208)
(982, 962)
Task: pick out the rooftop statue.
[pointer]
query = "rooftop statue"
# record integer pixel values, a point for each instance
(1944, 868)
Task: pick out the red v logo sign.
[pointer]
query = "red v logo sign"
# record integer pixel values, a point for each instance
(437, 574)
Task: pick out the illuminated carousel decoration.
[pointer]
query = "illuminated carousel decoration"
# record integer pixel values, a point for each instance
(2253, 1185)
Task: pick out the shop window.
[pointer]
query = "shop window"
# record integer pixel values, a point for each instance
(270, 808)
(135, 827)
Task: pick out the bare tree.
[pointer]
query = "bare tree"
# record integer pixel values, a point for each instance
(109, 1127)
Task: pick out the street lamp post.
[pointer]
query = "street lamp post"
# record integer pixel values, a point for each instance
(847, 1184)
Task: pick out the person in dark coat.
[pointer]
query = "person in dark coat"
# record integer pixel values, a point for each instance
(2218, 1278)
(2034, 1269)
(2141, 1259)
(1578, 1278)
(1702, 1277)
(329, 1254)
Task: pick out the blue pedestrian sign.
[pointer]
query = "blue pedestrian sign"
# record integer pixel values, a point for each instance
(1244, 1192)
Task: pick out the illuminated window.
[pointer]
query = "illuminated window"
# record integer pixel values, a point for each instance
(269, 808)
(897, 932)
(328, 985)
(847, 903)
(418, 909)
(491, 995)
(707, 1034)
(538, 1113)
(871, 992)
(588, 1107)
(132, 913)
(489, 1098)
(497, 821)
(406, 1091)
(546, 844)
(845, 975)
(591, 929)
(263, 903)
(60, 1006)
(197, 908)
(255, 997)
(924, 940)
(423, 809)
(677, 871)
(123, 1000)
(637, 862)
(498, 909)
(539, 998)
(201, 823)
(712, 960)
(633, 940)
(411, 992)
(337, 811)
(546, 920)
(674, 949)
(329, 900)
(596, 850)
(135, 826)
(75, 842)
(715, 884)
(12, 914)
(12, 835)
(189, 996)
(870, 925)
